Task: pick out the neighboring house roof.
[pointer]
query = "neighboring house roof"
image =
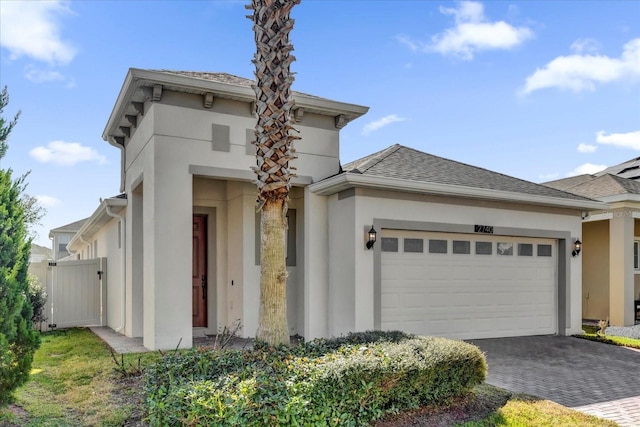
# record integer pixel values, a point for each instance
(629, 169)
(69, 228)
(403, 162)
(603, 187)
(105, 212)
(401, 168)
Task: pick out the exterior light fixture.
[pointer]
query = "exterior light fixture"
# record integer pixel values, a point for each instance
(577, 247)
(372, 234)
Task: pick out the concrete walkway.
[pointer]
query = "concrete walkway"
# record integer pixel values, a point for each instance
(118, 342)
(595, 378)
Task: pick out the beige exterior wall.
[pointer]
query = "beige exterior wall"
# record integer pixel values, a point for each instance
(171, 151)
(595, 273)
(107, 243)
(636, 273)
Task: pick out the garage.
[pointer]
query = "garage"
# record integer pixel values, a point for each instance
(468, 285)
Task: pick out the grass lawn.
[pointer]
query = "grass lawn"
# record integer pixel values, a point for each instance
(591, 335)
(73, 383)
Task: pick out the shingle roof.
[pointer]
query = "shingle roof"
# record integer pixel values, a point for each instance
(407, 163)
(597, 187)
(72, 227)
(223, 78)
(565, 184)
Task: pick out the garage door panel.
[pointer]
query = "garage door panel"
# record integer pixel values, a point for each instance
(468, 295)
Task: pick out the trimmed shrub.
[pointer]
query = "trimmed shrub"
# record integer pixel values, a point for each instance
(350, 380)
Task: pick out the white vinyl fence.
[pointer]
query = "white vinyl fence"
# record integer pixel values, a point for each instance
(76, 292)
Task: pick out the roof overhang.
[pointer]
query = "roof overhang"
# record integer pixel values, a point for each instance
(138, 78)
(617, 198)
(96, 221)
(347, 180)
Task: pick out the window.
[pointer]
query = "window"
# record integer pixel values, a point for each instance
(484, 248)
(413, 245)
(636, 250)
(525, 249)
(544, 250)
(437, 246)
(505, 248)
(462, 247)
(389, 244)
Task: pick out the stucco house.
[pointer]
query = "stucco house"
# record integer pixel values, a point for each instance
(459, 251)
(611, 238)
(61, 236)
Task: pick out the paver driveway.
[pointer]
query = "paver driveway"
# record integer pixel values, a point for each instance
(595, 378)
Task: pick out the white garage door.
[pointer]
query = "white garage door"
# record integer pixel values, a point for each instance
(468, 286)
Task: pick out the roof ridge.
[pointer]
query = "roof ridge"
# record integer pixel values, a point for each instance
(376, 158)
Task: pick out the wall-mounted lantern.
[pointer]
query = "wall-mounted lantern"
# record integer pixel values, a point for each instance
(371, 237)
(577, 247)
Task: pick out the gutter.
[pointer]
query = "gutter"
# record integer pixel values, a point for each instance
(347, 180)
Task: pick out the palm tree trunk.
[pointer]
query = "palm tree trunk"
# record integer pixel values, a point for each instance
(274, 150)
(273, 327)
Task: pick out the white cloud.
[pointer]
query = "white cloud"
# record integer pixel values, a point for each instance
(580, 72)
(587, 168)
(31, 29)
(586, 148)
(472, 33)
(42, 76)
(66, 154)
(624, 140)
(47, 201)
(585, 45)
(386, 120)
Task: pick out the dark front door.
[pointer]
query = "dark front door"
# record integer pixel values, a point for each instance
(199, 275)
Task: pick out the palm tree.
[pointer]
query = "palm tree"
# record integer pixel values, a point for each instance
(274, 151)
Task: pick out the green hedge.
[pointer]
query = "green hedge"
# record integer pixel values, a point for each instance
(350, 380)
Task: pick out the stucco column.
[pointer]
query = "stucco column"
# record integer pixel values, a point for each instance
(621, 268)
(316, 265)
(168, 223)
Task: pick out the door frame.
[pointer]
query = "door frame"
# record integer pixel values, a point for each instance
(212, 269)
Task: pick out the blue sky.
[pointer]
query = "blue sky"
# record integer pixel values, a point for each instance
(536, 90)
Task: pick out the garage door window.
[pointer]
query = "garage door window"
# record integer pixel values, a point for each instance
(389, 244)
(505, 248)
(544, 250)
(462, 247)
(525, 249)
(414, 245)
(484, 248)
(437, 246)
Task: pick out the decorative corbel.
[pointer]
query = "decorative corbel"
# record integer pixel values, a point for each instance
(341, 121)
(252, 108)
(153, 94)
(139, 107)
(119, 140)
(298, 113)
(126, 130)
(133, 120)
(157, 93)
(208, 100)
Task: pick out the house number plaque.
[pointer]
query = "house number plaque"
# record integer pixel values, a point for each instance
(487, 229)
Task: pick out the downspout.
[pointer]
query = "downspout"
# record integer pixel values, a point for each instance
(123, 260)
(89, 249)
